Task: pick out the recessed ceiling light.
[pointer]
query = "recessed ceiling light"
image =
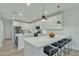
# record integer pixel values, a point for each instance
(28, 4)
(45, 12)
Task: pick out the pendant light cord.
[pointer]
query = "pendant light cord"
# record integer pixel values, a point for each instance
(43, 16)
(58, 6)
(43, 8)
(58, 22)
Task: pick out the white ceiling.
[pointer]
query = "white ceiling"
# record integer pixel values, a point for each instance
(32, 12)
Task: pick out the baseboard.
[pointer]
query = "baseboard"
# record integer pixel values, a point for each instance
(72, 49)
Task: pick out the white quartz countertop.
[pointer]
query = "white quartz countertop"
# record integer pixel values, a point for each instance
(24, 35)
(42, 41)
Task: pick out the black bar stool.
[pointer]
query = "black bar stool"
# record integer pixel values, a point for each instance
(58, 45)
(50, 51)
(66, 41)
(61, 43)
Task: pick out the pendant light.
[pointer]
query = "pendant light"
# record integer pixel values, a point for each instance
(44, 18)
(58, 22)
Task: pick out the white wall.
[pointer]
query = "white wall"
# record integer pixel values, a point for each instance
(7, 24)
(71, 24)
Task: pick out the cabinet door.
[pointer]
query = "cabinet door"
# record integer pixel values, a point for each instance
(25, 26)
(42, 24)
(54, 22)
(32, 26)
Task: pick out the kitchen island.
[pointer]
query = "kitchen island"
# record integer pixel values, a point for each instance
(33, 46)
(19, 39)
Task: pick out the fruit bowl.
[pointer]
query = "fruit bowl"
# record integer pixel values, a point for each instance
(51, 34)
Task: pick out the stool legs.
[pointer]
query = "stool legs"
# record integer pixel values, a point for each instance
(68, 49)
(67, 43)
(71, 45)
(60, 52)
(64, 50)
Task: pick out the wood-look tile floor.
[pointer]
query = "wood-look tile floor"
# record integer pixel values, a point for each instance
(8, 49)
(72, 53)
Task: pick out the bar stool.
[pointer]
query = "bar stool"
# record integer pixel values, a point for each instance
(61, 43)
(66, 41)
(58, 45)
(50, 51)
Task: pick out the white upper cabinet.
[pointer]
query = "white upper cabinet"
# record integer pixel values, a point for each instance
(42, 24)
(55, 22)
(25, 26)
